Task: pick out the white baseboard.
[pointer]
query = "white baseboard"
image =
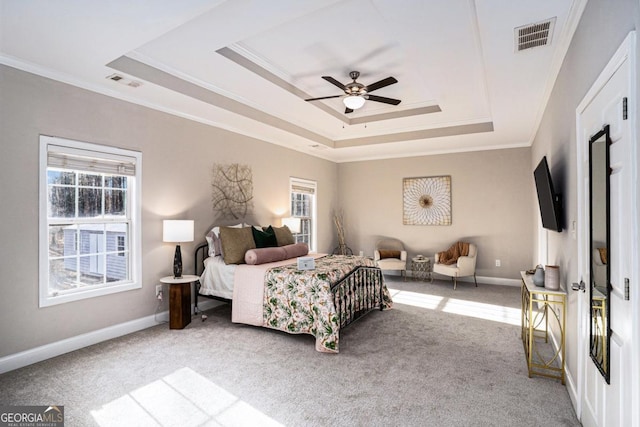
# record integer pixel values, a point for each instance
(572, 389)
(481, 279)
(493, 280)
(47, 351)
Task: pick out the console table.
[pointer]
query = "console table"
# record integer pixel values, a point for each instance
(543, 310)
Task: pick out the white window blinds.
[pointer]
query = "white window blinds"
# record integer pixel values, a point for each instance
(303, 186)
(86, 160)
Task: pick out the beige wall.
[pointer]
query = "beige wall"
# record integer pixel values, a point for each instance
(491, 206)
(493, 192)
(603, 27)
(177, 159)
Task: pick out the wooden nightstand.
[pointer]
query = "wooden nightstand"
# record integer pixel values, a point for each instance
(179, 299)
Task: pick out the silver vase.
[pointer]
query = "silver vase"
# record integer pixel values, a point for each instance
(552, 278)
(538, 276)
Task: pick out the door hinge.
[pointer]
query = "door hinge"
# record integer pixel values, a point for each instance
(625, 114)
(626, 289)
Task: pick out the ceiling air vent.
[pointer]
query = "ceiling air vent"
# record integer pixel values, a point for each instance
(534, 35)
(123, 80)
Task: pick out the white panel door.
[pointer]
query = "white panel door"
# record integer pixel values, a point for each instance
(612, 404)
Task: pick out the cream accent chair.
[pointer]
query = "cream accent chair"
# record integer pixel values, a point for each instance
(391, 264)
(466, 266)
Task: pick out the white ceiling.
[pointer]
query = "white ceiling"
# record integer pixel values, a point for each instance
(248, 65)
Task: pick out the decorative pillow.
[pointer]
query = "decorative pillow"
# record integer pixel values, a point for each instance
(296, 250)
(213, 239)
(235, 242)
(389, 254)
(264, 239)
(283, 235)
(264, 255)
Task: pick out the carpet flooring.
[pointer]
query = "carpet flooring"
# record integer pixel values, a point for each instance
(439, 358)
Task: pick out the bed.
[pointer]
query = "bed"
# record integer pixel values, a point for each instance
(321, 302)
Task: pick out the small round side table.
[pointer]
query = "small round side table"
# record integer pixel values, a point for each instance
(421, 269)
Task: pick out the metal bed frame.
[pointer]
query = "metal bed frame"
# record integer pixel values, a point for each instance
(201, 254)
(353, 296)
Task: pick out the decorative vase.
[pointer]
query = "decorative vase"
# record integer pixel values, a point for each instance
(538, 276)
(552, 277)
(177, 263)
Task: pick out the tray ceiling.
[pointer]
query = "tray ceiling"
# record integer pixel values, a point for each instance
(248, 66)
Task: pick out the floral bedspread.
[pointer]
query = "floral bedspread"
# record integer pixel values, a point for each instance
(301, 302)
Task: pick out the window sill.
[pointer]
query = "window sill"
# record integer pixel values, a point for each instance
(48, 301)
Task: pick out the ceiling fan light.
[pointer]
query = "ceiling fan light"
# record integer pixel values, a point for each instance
(353, 101)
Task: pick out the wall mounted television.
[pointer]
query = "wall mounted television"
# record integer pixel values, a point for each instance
(550, 202)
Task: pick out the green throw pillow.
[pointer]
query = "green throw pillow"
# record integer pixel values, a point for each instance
(264, 239)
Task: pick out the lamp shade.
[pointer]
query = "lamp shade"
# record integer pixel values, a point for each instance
(174, 230)
(353, 101)
(292, 223)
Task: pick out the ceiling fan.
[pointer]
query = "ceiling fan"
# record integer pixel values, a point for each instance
(356, 93)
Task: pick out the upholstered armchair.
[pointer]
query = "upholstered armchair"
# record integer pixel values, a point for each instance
(464, 266)
(390, 255)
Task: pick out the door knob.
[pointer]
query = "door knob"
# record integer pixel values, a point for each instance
(579, 286)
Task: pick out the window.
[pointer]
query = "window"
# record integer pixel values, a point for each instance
(303, 206)
(120, 247)
(89, 220)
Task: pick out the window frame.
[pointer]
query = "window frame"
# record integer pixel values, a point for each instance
(134, 215)
(312, 189)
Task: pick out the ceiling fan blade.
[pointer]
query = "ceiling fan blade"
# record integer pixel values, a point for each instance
(348, 110)
(383, 99)
(323, 97)
(382, 83)
(334, 82)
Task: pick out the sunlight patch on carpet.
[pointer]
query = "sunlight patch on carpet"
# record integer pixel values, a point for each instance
(496, 313)
(183, 398)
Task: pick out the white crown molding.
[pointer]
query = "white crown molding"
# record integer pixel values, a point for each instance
(433, 152)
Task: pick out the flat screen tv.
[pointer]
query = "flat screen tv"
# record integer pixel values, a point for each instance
(550, 202)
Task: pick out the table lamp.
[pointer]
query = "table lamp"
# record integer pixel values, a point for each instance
(177, 231)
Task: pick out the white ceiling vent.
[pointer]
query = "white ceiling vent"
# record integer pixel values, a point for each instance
(534, 35)
(124, 80)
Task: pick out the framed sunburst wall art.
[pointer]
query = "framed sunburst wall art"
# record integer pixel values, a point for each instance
(427, 200)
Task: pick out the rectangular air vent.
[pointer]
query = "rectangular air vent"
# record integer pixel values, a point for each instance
(123, 80)
(534, 35)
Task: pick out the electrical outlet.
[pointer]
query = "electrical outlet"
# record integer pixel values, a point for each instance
(498, 263)
(159, 292)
